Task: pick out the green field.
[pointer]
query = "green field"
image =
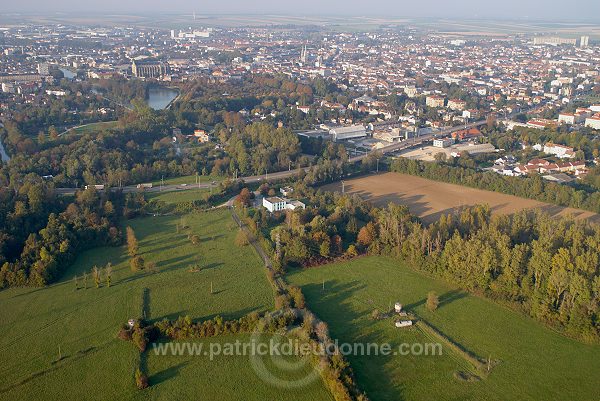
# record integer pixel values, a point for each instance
(95, 365)
(230, 377)
(534, 362)
(188, 179)
(93, 128)
(188, 195)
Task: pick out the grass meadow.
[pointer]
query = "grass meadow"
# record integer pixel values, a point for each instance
(172, 197)
(37, 325)
(532, 362)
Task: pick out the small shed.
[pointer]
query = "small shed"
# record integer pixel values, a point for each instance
(404, 323)
(398, 307)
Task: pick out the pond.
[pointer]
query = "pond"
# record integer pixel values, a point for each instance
(160, 97)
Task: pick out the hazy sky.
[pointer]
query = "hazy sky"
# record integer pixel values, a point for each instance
(504, 9)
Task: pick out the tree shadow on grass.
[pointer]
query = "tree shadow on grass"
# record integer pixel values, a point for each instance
(444, 299)
(166, 374)
(346, 313)
(179, 262)
(213, 265)
(226, 316)
(451, 296)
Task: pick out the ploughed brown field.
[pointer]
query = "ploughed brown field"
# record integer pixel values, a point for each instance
(430, 199)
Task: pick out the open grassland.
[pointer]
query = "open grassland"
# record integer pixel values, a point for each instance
(188, 180)
(95, 365)
(228, 378)
(96, 127)
(532, 362)
(92, 128)
(187, 195)
(430, 199)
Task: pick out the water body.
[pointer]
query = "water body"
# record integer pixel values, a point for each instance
(160, 97)
(3, 154)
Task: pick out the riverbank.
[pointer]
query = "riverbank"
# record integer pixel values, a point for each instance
(161, 97)
(3, 155)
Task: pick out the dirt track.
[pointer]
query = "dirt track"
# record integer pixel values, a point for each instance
(430, 199)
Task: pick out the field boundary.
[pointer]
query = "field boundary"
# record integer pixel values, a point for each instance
(478, 367)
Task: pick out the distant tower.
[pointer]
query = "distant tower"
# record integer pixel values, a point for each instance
(194, 15)
(304, 55)
(585, 41)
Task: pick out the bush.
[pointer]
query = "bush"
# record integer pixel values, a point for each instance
(432, 301)
(136, 263)
(124, 334)
(241, 238)
(282, 301)
(298, 297)
(195, 239)
(139, 339)
(141, 380)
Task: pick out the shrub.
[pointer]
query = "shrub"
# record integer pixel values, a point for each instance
(298, 297)
(139, 339)
(141, 380)
(195, 239)
(282, 301)
(136, 263)
(432, 301)
(241, 238)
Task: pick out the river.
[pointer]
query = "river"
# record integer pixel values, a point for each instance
(3, 154)
(160, 97)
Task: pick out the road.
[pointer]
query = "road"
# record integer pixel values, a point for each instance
(179, 187)
(290, 173)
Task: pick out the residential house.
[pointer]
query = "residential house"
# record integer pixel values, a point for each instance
(560, 151)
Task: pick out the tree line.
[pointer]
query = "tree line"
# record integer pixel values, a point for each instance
(546, 267)
(41, 234)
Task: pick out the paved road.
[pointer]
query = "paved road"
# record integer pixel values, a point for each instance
(179, 187)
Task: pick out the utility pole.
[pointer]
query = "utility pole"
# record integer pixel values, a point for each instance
(290, 166)
(343, 187)
(377, 166)
(162, 183)
(266, 174)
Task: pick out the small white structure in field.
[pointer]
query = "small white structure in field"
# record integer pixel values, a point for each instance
(404, 323)
(131, 323)
(398, 307)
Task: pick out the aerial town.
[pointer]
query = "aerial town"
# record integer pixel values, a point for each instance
(410, 206)
(443, 80)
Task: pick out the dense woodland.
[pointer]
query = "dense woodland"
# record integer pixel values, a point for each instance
(546, 267)
(41, 234)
